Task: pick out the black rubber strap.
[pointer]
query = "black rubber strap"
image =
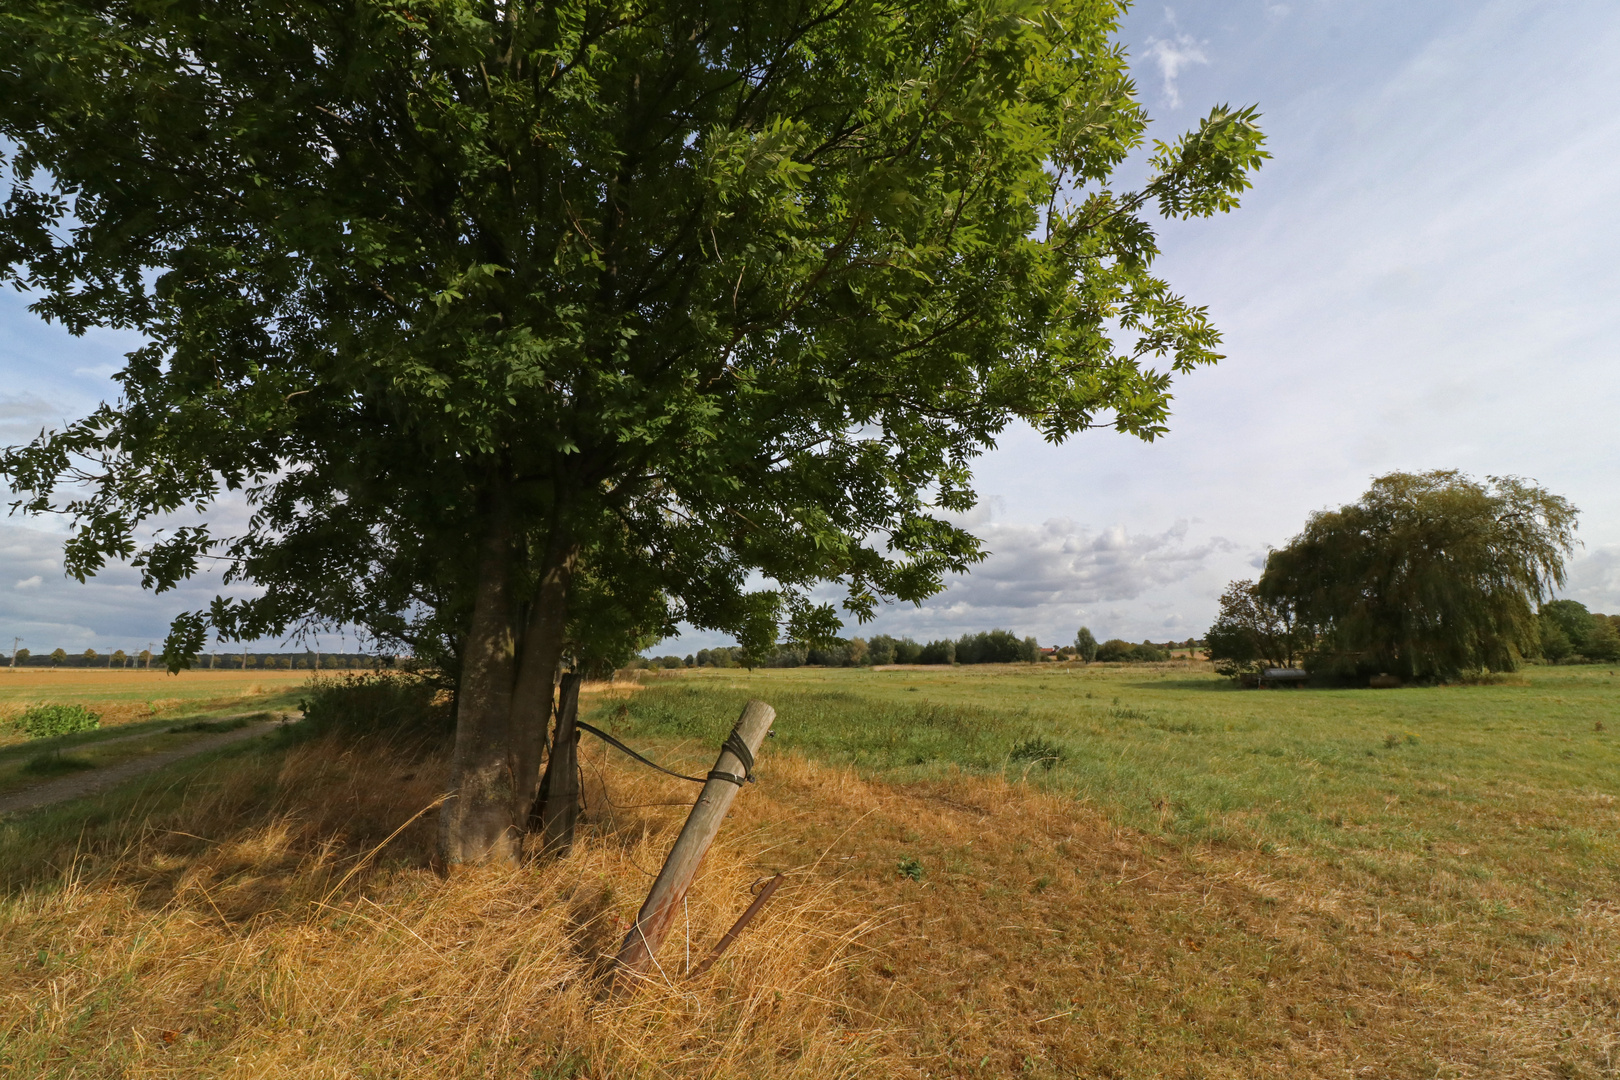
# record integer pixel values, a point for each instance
(735, 744)
(611, 741)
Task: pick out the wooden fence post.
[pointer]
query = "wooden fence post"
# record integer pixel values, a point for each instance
(559, 788)
(663, 903)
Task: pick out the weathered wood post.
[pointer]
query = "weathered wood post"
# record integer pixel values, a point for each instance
(663, 903)
(558, 805)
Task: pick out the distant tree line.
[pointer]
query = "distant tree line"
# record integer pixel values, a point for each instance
(143, 659)
(985, 647)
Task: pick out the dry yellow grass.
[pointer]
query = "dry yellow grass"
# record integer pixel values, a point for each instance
(270, 927)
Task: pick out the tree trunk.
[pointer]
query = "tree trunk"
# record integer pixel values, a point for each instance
(557, 810)
(537, 675)
(477, 824)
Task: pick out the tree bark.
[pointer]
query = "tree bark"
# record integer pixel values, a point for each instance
(533, 695)
(477, 823)
(557, 810)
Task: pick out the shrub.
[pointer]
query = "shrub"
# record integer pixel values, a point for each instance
(43, 721)
(376, 704)
(1117, 651)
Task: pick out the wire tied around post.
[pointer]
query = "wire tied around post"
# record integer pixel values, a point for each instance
(735, 744)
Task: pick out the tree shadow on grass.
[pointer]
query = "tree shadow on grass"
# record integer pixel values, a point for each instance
(241, 824)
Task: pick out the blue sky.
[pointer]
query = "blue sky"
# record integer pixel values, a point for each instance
(1424, 277)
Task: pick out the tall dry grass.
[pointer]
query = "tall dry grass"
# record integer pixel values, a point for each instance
(292, 937)
(280, 922)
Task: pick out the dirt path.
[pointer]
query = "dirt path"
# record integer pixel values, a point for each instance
(90, 782)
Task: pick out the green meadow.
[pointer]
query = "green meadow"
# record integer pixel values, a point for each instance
(1517, 778)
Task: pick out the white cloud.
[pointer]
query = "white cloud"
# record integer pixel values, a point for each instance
(1047, 579)
(1594, 580)
(22, 415)
(109, 611)
(1171, 57)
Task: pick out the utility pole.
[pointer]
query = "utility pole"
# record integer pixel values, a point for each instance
(149, 645)
(16, 641)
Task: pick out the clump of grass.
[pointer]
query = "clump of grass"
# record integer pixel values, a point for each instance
(44, 721)
(910, 867)
(54, 763)
(1038, 750)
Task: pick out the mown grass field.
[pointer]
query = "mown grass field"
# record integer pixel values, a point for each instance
(1031, 871)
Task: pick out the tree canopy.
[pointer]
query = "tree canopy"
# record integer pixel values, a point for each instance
(1567, 630)
(1428, 575)
(1085, 644)
(528, 329)
(1253, 631)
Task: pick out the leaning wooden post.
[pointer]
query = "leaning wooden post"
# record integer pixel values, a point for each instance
(663, 903)
(559, 788)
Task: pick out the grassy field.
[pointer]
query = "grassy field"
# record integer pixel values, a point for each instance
(1116, 872)
(131, 696)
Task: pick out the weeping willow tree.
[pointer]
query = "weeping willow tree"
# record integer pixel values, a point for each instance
(1429, 575)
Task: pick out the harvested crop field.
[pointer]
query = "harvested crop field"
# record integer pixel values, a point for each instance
(130, 696)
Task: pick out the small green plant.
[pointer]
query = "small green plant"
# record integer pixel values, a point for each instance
(1038, 749)
(910, 868)
(43, 721)
(53, 763)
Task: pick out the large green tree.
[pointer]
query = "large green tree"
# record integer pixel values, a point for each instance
(478, 300)
(1428, 575)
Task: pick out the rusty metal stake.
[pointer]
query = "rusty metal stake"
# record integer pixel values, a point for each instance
(737, 927)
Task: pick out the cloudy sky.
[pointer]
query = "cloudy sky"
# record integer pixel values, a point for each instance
(1424, 277)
